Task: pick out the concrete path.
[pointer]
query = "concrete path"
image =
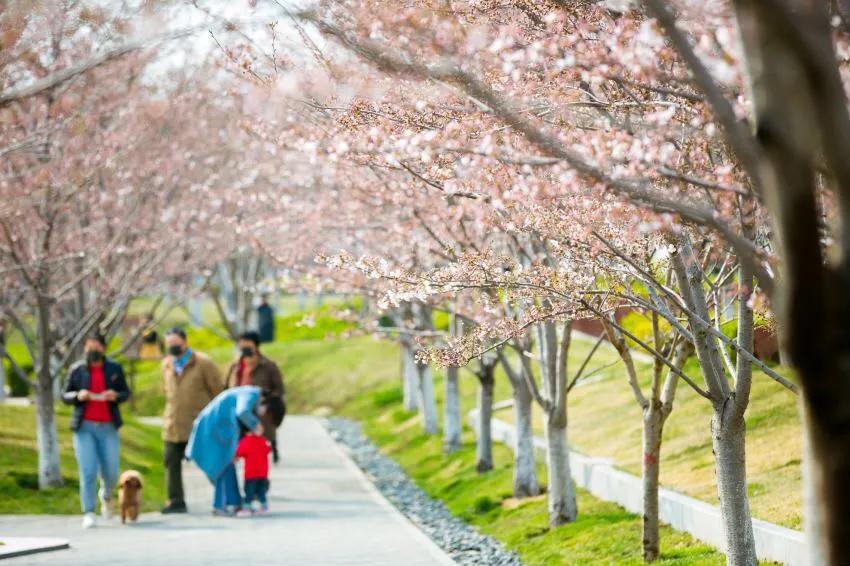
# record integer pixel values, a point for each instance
(323, 512)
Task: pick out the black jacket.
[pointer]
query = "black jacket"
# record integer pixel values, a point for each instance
(265, 323)
(79, 378)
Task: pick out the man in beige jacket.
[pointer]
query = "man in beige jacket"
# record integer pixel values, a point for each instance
(190, 380)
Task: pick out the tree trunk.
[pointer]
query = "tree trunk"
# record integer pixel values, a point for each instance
(525, 469)
(814, 517)
(728, 436)
(451, 412)
(653, 426)
(409, 378)
(427, 401)
(484, 447)
(562, 495)
(195, 312)
(803, 127)
(2, 369)
(49, 474)
(2, 381)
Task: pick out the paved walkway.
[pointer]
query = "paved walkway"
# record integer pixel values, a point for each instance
(323, 512)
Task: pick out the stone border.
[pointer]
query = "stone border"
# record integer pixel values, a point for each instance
(465, 545)
(698, 518)
(14, 547)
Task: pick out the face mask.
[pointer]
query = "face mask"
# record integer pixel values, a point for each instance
(175, 350)
(94, 357)
(247, 352)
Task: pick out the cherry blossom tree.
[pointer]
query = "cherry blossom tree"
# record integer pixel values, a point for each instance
(624, 104)
(93, 168)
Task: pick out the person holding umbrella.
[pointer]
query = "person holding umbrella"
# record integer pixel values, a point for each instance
(215, 437)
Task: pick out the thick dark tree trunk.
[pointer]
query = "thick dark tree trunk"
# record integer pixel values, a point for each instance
(827, 479)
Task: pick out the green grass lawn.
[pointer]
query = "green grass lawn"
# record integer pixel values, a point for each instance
(141, 449)
(603, 534)
(605, 421)
(319, 373)
(287, 305)
(321, 369)
(325, 372)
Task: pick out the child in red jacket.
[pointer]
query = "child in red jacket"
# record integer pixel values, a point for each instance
(255, 449)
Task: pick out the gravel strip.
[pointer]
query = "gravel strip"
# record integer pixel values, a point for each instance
(462, 542)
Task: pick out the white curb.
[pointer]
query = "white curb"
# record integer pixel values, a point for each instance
(683, 513)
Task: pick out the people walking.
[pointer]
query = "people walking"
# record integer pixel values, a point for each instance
(265, 320)
(190, 381)
(252, 368)
(215, 438)
(95, 387)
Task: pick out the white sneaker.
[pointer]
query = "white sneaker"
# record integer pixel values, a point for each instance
(106, 509)
(88, 520)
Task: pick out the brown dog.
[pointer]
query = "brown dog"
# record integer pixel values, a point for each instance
(130, 495)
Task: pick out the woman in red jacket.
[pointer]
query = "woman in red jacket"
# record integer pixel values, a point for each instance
(95, 387)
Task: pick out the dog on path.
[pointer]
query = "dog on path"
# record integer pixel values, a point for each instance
(130, 495)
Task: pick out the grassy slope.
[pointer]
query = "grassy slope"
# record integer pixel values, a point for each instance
(320, 369)
(317, 373)
(141, 449)
(605, 422)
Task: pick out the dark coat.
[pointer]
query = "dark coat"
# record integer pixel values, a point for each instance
(266, 375)
(79, 378)
(265, 323)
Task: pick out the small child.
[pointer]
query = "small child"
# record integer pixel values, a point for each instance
(255, 449)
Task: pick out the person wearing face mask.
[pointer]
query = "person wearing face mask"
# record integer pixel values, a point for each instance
(252, 368)
(190, 381)
(95, 387)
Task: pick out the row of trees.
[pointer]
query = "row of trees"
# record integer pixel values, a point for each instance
(517, 165)
(522, 166)
(117, 172)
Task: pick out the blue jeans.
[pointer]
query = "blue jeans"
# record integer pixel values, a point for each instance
(227, 490)
(256, 489)
(97, 448)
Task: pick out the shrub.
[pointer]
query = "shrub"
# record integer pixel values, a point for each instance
(484, 504)
(387, 397)
(17, 386)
